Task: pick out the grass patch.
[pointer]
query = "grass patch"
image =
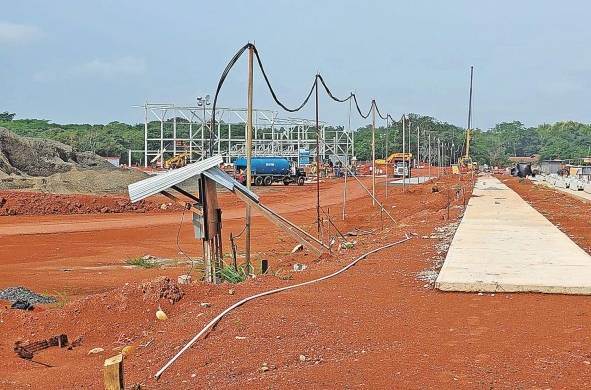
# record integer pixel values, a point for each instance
(230, 275)
(142, 262)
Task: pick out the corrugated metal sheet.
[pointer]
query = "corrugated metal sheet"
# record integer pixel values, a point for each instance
(223, 179)
(153, 185)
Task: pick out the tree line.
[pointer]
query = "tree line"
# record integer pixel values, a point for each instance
(560, 140)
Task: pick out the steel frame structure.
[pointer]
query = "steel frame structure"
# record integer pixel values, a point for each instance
(170, 130)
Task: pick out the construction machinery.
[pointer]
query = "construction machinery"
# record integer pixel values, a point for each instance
(465, 161)
(269, 170)
(400, 162)
(178, 161)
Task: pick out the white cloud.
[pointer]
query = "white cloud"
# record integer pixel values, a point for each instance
(17, 33)
(120, 66)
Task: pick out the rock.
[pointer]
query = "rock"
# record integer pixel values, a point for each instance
(347, 245)
(302, 358)
(95, 351)
(163, 206)
(105, 210)
(299, 267)
(205, 304)
(161, 315)
(297, 248)
(240, 338)
(264, 368)
(184, 279)
(231, 291)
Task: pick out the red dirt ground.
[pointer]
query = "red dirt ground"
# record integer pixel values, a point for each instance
(374, 326)
(39, 203)
(568, 213)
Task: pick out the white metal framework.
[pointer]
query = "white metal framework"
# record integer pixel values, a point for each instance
(170, 130)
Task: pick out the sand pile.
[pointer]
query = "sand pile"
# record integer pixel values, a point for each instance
(50, 166)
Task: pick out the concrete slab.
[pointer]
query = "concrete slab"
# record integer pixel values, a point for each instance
(503, 244)
(412, 180)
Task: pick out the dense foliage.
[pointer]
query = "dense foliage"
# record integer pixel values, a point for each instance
(565, 140)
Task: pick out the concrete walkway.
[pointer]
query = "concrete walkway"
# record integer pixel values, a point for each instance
(503, 244)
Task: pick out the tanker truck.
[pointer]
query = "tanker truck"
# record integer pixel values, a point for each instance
(269, 170)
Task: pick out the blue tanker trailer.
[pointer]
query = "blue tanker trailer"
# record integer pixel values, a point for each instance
(269, 170)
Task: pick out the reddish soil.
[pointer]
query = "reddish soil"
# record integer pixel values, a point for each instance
(374, 326)
(39, 203)
(568, 213)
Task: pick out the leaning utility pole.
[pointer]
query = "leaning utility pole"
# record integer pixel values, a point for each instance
(248, 152)
(373, 152)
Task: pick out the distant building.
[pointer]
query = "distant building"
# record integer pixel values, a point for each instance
(533, 159)
(551, 166)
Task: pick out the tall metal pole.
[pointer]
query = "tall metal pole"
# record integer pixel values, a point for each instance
(404, 152)
(418, 145)
(317, 161)
(348, 163)
(438, 157)
(386, 158)
(248, 151)
(429, 156)
(373, 151)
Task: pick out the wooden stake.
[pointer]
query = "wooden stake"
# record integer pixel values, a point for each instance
(113, 373)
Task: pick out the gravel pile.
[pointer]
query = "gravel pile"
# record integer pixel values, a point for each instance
(22, 294)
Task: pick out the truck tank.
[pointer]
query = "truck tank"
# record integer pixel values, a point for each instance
(265, 165)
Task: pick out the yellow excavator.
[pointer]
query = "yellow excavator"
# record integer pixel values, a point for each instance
(178, 161)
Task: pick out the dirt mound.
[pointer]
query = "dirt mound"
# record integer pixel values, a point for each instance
(42, 157)
(44, 165)
(36, 203)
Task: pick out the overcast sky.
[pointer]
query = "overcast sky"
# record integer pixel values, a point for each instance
(90, 62)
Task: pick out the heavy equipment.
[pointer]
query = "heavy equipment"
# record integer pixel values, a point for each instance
(465, 161)
(400, 162)
(269, 170)
(178, 161)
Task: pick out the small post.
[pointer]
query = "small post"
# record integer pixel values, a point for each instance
(373, 151)
(113, 373)
(248, 152)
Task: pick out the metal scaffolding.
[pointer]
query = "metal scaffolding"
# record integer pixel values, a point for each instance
(171, 130)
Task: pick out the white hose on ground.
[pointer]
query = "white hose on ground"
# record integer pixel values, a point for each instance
(243, 301)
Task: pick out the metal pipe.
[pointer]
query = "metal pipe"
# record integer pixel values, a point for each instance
(270, 292)
(404, 153)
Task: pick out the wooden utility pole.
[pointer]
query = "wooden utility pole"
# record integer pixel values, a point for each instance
(386, 158)
(429, 156)
(403, 152)
(373, 151)
(317, 161)
(248, 151)
(418, 145)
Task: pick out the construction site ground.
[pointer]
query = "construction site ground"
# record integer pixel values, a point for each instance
(378, 325)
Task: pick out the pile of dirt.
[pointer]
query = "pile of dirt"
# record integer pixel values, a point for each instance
(49, 166)
(38, 203)
(42, 157)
